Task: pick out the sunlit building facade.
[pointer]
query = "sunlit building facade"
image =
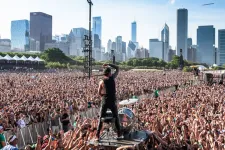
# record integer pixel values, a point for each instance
(40, 29)
(165, 38)
(182, 32)
(97, 31)
(134, 31)
(221, 46)
(206, 42)
(20, 35)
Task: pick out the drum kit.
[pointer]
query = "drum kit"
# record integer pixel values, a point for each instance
(127, 118)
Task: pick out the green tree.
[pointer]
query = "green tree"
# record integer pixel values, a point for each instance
(187, 69)
(54, 55)
(162, 63)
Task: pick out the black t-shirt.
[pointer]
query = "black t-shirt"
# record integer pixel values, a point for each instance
(64, 116)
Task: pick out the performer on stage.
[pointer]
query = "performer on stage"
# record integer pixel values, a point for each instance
(107, 91)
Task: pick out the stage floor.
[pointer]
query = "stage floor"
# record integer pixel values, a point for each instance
(134, 138)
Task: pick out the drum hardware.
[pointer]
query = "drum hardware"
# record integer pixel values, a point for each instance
(109, 120)
(132, 101)
(128, 121)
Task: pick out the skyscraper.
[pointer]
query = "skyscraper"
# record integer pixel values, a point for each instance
(109, 46)
(124, 47)
(156, 48)
(76, 39)
(114, 46)
(134, 31)
(131, 50)
(165, 38)
(182, 32)
(40, 28)
(97, 41)
(221, 46)
(124, 50)
(20, 35)
(119, 44)
(118, 51)
(97, 29)
(189, 42)
(206, 42)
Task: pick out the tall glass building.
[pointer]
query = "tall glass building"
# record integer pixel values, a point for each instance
(97, 29)
(206, 42)
(119, 47)
(40, 29)
(20, 35)
(134, 31)
(221, 46)
(182, 32)
(156, 48)
(165, 38)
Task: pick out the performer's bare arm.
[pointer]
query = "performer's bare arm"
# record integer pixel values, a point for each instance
(100, 88)
(117, 70)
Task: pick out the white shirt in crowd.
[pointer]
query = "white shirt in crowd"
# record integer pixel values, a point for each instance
(10, 147)
(21, 123)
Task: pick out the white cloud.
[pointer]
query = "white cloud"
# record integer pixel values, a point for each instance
(172, 1)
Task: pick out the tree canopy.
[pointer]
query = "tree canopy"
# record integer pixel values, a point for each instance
(54, 55)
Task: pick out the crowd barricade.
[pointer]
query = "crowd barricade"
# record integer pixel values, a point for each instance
(28, 134)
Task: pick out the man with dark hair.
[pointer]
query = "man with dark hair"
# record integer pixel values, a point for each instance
(107, 91)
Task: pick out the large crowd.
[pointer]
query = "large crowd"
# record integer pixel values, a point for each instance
(188, 118)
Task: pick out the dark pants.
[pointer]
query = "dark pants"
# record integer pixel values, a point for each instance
(112, 106)
(65, 128)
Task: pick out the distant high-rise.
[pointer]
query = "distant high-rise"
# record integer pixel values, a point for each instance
(189, 42)
(124, 47)
(131, 50)
(20, 35)
(109, 46)
(156, 48)
(97, 41)
(40, 29)
(206, 42)
(60, 38)
(171, 54)
(165, 38)
(97, 29)
(221, 46)
(119, 46)
(182, 32)
(114, 46)
(124, 50)
(134, 31)
(76, 39)
(5, 45)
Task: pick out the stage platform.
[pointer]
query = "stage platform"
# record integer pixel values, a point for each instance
(109, 142)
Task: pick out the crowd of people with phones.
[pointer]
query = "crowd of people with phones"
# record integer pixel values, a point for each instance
(188, 118)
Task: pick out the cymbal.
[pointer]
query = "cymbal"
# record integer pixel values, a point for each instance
(127, 102)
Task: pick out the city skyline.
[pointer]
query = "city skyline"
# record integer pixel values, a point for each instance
(148, 15)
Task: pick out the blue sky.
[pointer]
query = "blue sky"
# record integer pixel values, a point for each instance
(117, 16)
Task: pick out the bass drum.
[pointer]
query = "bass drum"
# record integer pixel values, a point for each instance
(127, 120)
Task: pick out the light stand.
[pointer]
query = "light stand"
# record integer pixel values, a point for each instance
(90, 42)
